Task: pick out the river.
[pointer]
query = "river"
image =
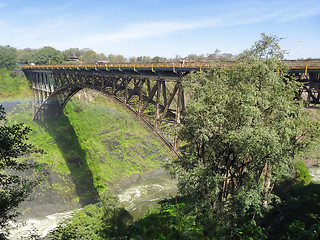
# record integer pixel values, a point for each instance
(315, 173)
(136, 197)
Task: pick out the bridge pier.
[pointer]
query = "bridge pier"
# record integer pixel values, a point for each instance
(180, 104)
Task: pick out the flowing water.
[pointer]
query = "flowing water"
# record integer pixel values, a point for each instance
(135, 197)
(138, 196)
(315, 174)
(40, 226)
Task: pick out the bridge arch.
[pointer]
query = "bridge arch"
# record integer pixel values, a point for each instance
(156, 102)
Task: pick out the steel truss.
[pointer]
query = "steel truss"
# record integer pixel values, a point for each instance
(156, 101)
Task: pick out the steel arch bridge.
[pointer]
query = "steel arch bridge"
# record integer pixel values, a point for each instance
(151, 91)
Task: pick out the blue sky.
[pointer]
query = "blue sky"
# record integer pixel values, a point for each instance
(161, 27)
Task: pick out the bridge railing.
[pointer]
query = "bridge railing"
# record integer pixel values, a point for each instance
(184, 64)
(293, 64)
(300, 64)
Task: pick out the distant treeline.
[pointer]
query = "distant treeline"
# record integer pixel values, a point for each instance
(50, 55)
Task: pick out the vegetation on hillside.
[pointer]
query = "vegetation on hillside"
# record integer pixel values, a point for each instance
(8, 57)
(14, 150)
(13, 86)
(91, 146)
(12, 82)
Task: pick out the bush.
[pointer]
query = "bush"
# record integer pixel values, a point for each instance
(302, 174)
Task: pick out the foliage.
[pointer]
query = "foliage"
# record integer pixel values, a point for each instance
(242, 128)
(167, 221)
(163, 223)
(13, 86)
(158, 59)
(90, 57)
(107, 221)
(296, 214)
(302, 173)
(27, 55)
(14, 188)
(297, 231)
(116, 58)
(48, 55)
(249, 231)
(72, 52)
(265, 48)
(8, 57)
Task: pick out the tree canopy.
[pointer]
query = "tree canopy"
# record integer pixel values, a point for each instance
(48, 55)
(8, 57)
(241, 129)
(266, 48)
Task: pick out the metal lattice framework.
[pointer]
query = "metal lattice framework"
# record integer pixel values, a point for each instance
(156, 101)
(151, 91)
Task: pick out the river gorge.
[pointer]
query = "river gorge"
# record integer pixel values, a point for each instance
(136, 197)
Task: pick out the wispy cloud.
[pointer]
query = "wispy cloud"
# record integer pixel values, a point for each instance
(142, 30)
(296, 14)
(152, 29)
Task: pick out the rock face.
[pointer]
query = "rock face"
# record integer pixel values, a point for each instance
(90, 147)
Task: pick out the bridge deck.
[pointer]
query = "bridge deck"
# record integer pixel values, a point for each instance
(180, 68)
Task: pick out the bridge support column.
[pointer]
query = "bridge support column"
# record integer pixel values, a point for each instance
(140, 93)
(126, 81)
(43, 84)
(157, 110)
(113, 85)
(176, 142)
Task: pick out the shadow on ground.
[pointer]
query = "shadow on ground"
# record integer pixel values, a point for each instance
(60, 128)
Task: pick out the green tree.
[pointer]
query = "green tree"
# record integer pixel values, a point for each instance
(8, 57)
(265, 48)
(14, 188)
(158, 59)
(27, 55)
(48, 55)
(144, 59)
(132, 59)
(90, 57)
(242, 128)
(72, 52)
(213, 56)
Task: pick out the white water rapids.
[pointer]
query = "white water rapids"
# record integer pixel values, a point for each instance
(40, 226)
(135, 197)
(315, 174)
